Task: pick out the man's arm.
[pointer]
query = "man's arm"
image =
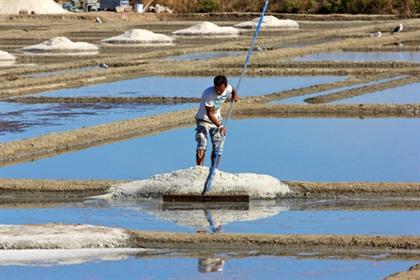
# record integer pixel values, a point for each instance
(213, 119)
(235, 96)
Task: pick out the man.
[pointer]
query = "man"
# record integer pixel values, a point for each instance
(209, 119)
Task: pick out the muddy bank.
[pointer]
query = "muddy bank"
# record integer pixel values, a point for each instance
(58, 143)
(123, 67)
(352, 189)
(270, 241)
(62, 236)
(412, 273)
(105, 99)
(362, 90)
(20, 190)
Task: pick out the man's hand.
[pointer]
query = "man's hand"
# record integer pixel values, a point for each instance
(235, 96)
(222, 130)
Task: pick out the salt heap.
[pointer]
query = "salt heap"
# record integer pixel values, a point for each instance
(48, 257)
(6, 59)
(61, 44)
(268, 23)
(192, 180)
(6, 56)
(139, 36)
(61, 236)
(208, 29)
(15, 7)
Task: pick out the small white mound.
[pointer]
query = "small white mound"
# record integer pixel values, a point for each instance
(192, 180)
(52, 257)
(139, 36)
(60, 236)
(5, 56)
(14, 7)
(208, 29)
(61, 44)
(269, 22)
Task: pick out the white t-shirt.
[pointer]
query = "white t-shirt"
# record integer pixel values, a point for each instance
(211, 99)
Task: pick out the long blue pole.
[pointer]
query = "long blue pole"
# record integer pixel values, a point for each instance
(213, 168)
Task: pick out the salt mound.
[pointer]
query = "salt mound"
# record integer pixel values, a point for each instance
(207, 28)
(6, 56)
(269, 22)
(142, 36)
(192, 180)
(49, 257)
(198, 218)
(14, 7)
(61, 44)
(60, 236)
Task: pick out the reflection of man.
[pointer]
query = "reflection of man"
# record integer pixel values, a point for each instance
(207, 265)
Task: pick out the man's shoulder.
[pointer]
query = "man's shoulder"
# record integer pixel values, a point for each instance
(208, 92)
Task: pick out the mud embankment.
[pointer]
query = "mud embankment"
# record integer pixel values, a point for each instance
(20, 190)
(362, 90)
(62, 236)
(112, 100)
(57, 143)
(412, 273)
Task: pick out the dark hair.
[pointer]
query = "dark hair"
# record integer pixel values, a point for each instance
(220, 80)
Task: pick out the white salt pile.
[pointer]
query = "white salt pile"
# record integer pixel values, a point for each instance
(15, 7)
(61, 44)
(269, 22)
(207, 29)
(192, 180)
(6, 56)
(139, 36)
(198, 218)
(49, 257)
(60, 236)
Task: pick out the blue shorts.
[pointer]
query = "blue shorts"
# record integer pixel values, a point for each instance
(204, 129)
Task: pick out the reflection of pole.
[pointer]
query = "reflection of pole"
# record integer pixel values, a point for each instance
(209, 217)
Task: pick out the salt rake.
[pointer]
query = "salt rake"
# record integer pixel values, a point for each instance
(205, 197)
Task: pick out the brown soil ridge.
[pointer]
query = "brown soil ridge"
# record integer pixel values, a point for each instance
(344, 189)
(113, 100)
(136, 67)
(413, 273)
(57, 143)
(230, 241)
(83, 188)
(362, 90)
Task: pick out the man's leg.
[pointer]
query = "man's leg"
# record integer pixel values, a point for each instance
(201, 138)
(216, 140)
(200, 156)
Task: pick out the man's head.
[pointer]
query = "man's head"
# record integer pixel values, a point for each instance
(220, 84)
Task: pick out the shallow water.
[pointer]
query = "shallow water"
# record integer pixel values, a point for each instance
(300, 99)
(400, 95)
(253, 267)
(285, 217)
(362, 56)
(193, 86)
(203, 56)
(20, 121)
(289, 149)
